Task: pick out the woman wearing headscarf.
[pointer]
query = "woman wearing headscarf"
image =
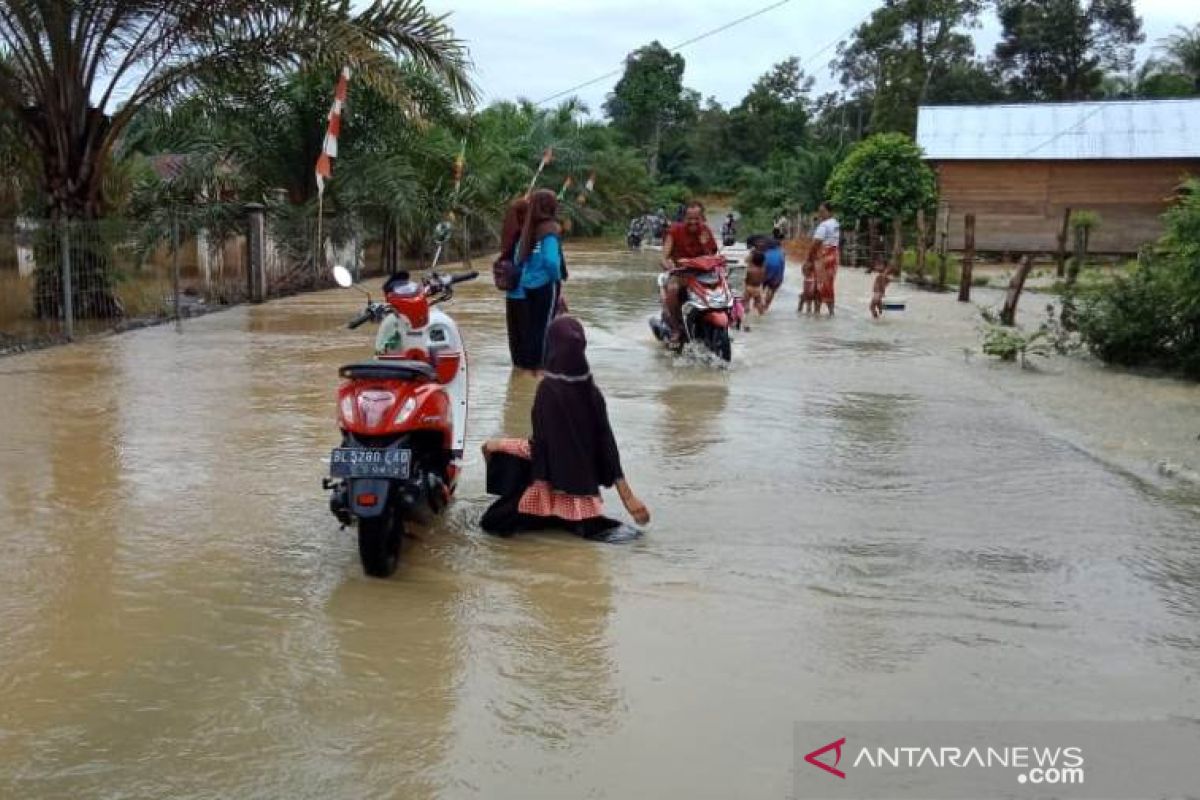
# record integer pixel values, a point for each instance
(553, 479)
(514, 307)
(539, 258)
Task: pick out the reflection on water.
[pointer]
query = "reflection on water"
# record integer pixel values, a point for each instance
(846, 525)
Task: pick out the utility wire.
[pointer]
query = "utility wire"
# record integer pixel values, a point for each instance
(1071, 129)
(680, 46)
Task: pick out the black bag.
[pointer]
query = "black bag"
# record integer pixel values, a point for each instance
(505, 274)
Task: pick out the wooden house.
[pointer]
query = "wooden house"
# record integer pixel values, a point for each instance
(1018, 167)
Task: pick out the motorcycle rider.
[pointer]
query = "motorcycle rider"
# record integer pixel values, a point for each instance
(729, 231)
(690, 238)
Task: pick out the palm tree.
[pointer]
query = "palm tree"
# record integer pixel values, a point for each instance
(75, 73)
(1183, 53)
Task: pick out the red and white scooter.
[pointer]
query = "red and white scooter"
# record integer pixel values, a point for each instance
(710, 307)
(402, 416)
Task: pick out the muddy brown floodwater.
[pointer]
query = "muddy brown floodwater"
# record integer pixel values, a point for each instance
(848, 524)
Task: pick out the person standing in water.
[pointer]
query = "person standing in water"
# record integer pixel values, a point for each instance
(514, 303)
(535, 299)
(553, 479)
(823, 255)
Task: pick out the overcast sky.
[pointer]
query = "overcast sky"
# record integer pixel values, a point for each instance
(537, 48)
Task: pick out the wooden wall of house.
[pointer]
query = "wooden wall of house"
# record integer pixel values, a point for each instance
(1018, 205)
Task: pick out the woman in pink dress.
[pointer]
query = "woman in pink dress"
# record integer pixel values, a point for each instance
(553, 480)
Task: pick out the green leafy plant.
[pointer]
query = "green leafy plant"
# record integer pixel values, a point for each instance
(883, 177)
(1152, 316)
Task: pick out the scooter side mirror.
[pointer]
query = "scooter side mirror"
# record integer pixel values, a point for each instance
(342, 277)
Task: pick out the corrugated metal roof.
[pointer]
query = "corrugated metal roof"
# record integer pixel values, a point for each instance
(1119, 129)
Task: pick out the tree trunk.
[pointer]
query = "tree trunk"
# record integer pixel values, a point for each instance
(968, 260)
(1061, 256)
(897, 246)
(944, 249)
(1008, 314)
(391, 248)
(655, 146)
(872, 242)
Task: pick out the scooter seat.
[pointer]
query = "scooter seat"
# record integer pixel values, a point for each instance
(392, 370)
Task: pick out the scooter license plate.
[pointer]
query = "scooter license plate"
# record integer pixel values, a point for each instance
(352, 462)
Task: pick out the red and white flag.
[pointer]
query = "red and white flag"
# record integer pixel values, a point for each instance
(329, 150)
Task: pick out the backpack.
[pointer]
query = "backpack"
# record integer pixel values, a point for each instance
(507, 275)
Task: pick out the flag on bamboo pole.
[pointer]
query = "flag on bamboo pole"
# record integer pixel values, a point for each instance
(329, 149)
(588, 188)
(547, 157)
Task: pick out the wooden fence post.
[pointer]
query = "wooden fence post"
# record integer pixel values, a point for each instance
(1008, 314)
(921, 243)
(1080, 254)
(968, 259)
(1061, 257)
(944, 248)
(256, 244)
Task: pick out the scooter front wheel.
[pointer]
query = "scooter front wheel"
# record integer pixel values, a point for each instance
(379, 544)
(719, 343)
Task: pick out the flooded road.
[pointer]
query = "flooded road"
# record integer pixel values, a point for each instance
(848, 524)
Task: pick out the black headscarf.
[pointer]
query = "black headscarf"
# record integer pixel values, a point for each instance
(573, 444)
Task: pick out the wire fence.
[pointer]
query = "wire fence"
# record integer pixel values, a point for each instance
(64, 280)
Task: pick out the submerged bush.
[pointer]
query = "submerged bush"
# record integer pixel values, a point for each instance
(1152, 317)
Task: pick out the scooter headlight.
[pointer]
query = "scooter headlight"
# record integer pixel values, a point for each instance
(406, 410)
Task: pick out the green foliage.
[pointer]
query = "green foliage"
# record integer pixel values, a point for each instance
(901, 51)
(649, 100)
(1182, 50)
(773, 117)
(1009, 343)
(1013, 344)
(883, 177)
(71, 55)
(1059, 49)
(789, 182)
(1085, 220)
(1152, 317)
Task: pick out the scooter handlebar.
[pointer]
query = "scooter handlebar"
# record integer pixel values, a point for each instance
(360, 319)
(466, 276)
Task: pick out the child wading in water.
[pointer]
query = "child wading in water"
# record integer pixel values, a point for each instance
(808, 295)
(883, 276)
(756, 276)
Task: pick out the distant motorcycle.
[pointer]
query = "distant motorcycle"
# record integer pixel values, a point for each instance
(402, 417)
(708, 310)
